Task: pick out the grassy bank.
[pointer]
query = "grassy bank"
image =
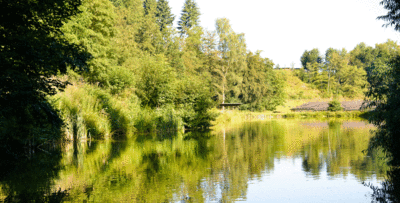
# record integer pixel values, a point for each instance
(328, 114)
(233, 117)
(90, 112)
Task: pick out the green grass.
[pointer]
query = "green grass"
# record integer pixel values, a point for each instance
(328, 114)
(234, 117)
(297, 89)
(90, 112)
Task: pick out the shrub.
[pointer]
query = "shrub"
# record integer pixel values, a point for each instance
(335, 106)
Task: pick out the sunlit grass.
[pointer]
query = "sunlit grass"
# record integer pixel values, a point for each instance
(91, 112)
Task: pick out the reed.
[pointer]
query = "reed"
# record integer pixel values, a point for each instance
(91, 112)
(82, 113)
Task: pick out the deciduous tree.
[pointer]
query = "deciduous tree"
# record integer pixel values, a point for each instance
(310, 57)
(232, 48)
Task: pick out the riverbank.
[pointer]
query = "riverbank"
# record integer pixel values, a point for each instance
(229, 117)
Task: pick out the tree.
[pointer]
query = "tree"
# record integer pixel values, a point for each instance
(393, 15)
(129, 17)
(93, 28)
(163, 15)
(32, 51)
(232, 48)
(261, 88)
(384, 90)
(149, 35)
(253, 87)
(362, 56)
(154, 87)
(192, 54)
(310, 57)
(353, 81)
(335, 60)
(189, 17)
(211, 61)
(385, 95)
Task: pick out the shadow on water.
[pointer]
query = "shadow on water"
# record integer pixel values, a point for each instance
(30, 179)
(389, 190)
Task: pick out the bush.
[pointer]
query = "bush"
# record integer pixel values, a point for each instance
(335, 106)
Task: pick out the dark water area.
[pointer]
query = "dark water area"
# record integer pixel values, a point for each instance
(260, 161)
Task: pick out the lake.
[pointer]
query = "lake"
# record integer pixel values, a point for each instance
(275, 161)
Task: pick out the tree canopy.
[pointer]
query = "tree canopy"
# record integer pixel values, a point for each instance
(393, 15)
(310, 57)
(32, 51)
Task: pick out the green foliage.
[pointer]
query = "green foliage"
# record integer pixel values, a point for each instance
(310, 57)
(31, 53)
(384, 79)
(192, 54)
(142, 75)
(93, 29)
(262, 88)
(232, 48)
(392, 17)
(92, 112)
(335, 106)
(362, 56)
(145, 121)
(203, 116)
(343, 73)
(128, 21)
(164, 16)
(353, 81)
(189, 17)
(154, 86)
(149, 35)
(385, 95)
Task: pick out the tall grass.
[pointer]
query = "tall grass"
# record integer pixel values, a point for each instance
(89, 111)
(83, 113)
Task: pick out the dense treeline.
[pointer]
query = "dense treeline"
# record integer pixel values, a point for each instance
(343, 73)
(138, 72)
(188, 70)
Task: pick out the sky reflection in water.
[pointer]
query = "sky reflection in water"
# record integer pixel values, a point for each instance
(274, 161)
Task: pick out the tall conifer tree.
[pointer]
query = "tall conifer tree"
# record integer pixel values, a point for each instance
(190, 16)
(149, 35)
(164, 15)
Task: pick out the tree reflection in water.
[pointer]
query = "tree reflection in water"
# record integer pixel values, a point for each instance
(197, 167)
(30, 179)
(389, 190)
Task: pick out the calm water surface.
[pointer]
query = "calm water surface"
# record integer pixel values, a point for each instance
(273, 161)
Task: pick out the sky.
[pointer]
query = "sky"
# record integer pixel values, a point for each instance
(283, 30)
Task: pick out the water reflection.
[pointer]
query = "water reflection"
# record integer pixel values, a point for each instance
(30, 179)
(201, 167)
